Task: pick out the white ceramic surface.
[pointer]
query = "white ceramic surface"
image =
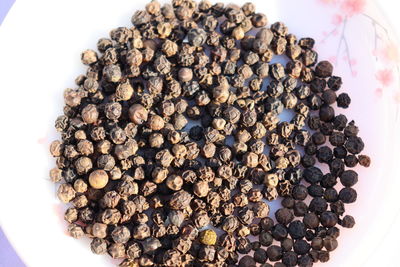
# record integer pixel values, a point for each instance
(40, 45)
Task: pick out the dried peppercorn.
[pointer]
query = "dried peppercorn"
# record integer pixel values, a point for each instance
(343, 100)
(348, 195)
(274, 253)
(348, 221)
(284, 216)
(364, 160)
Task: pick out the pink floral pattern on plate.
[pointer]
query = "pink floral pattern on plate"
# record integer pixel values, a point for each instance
(385, 51)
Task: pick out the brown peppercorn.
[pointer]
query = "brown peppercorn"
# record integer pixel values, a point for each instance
(185, 74)
(164, 158)
(180, 200)
(259, 20)
(156, 122)
(250, 159)
(55, 175)
(75, 231)
(364, 160)
(156, 140)
(66, 193)
(80, 186)
(271, 180)
(123, 92)
(179, 151)
(90, 114)
(159, 174)
(99, 230)
(103, 147)
(83, 165)
(89, 57)
(261, 209)
(174, 182)
(201, 189)
(220, 93)
(138, 114)
(56, 148)
(71, 215)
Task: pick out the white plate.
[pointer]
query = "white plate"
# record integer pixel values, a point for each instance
(40, 45)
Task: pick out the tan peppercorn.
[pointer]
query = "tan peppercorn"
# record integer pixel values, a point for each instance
(250, 159)
(164, 29)
(258, 131)
(238, 33)
(271, 193)
(80, 186)
(75, 231)
(80, 202)
(66, 193)
(164, 158)
(159, 174)
(208, 237)
(83, 165)
(70, 152)
(174, 137)
(185, 74)
(156, 140)
(220, 93)
(153, 7)
(240, 200)
(104, 147)
(126, 150)
(138, 114)
(99, 230)
(115, 173)
(208, 150)
(174, 182)
(55, 175)
(259, 20)
(271, 180)
(89, 57)
(124, 91)
(281, 163)
(85, 147)
(98, 179)
(218, 123)
(90, 114)
(80, 135)
(239, 148)
(243, 136)
(56, 148)
(201, 188)
(169, 48)
(243, 231)
(156, 122)
(72, 97)
(179, 151)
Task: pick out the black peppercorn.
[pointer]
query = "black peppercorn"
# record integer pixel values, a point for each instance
(343, 100)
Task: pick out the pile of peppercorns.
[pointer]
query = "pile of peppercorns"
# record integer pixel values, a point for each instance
(172, 143)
